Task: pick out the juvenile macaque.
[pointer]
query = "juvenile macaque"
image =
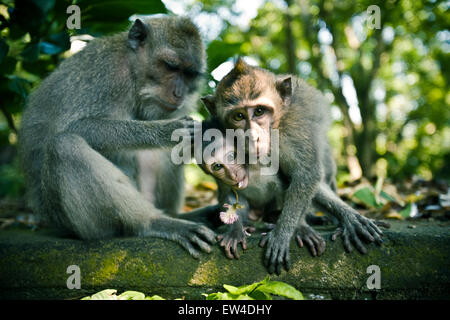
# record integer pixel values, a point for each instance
(254, 98)
(260, 197)
(95, 135)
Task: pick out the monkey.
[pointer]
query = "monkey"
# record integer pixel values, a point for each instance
(260, 196)
(253, 98)
(95, 137)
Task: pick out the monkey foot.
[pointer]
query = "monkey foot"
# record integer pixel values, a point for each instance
(276, 256)
(230, 240)
(311, 238)
(356, 228)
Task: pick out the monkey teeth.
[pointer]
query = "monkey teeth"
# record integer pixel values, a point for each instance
(240, 184)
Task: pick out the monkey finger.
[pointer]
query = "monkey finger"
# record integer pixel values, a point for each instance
(358, 244)
(228, 252)
(244, 244)
(299, 241)
(382, 224)
(374, 226)
(219, 237)
(263, 241)
(202, 244)
(287, 260)
(249, 229)
(207, 233)
(318, 244)
(311, 246)
(363, 232)
(279, 265)
(188, 246)
(235, 250)
(336, 234)
(347, 244)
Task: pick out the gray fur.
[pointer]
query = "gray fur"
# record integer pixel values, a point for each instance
(95, 137)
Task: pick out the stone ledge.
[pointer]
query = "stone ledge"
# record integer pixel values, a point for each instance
(414, 263)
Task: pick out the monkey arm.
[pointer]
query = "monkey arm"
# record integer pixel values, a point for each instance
(298, 197)
(354, 227)
(235, 233)
(111, 134)
(300, 163)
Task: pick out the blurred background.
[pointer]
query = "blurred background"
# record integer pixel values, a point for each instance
(386, 78)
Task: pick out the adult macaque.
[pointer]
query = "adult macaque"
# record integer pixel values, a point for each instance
(254, 98)
(95, 134)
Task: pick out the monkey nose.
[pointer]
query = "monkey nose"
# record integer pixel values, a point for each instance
(253, 135)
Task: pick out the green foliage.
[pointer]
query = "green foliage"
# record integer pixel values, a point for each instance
(34, 39)
(367, 196)
(111, 294)
(262, 290)
(398, 71)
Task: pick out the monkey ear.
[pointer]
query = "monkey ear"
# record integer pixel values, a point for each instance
(137, 34)
(284, 88)
(240, 65)
(209, 103)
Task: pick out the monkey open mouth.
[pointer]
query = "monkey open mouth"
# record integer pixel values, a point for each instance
(241, 184)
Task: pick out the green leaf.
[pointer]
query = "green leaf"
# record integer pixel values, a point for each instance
(246, 288)
(107, 294)
(281, 289)
(31, 52)
(227, 296)
(387, 196)
(112, 16)
(220, 51)
(405, 213)
(4, 48)
(242, 289)
(156, 297)
(260, 295)
(132, 295)
(367, 197)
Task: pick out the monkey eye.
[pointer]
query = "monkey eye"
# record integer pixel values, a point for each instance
(171, 66)
(231, 156)
(259, 111)
(238, 116)
(217, 166)
(192, 73)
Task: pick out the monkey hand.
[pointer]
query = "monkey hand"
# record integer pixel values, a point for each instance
(277, 251)
(185, 233)
(184, 127)
(230, 240)
(355, 227)
(311, 238)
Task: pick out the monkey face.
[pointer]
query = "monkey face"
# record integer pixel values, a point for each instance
(169, 58)
(222, 164)
(251, 99)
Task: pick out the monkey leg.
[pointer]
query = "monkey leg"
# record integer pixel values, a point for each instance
(354, 228)
(160, 180)
(91, 198)
(209, 216)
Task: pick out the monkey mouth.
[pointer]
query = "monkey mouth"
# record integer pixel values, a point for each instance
(165, 105)
(169, 107)
(241, 184)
